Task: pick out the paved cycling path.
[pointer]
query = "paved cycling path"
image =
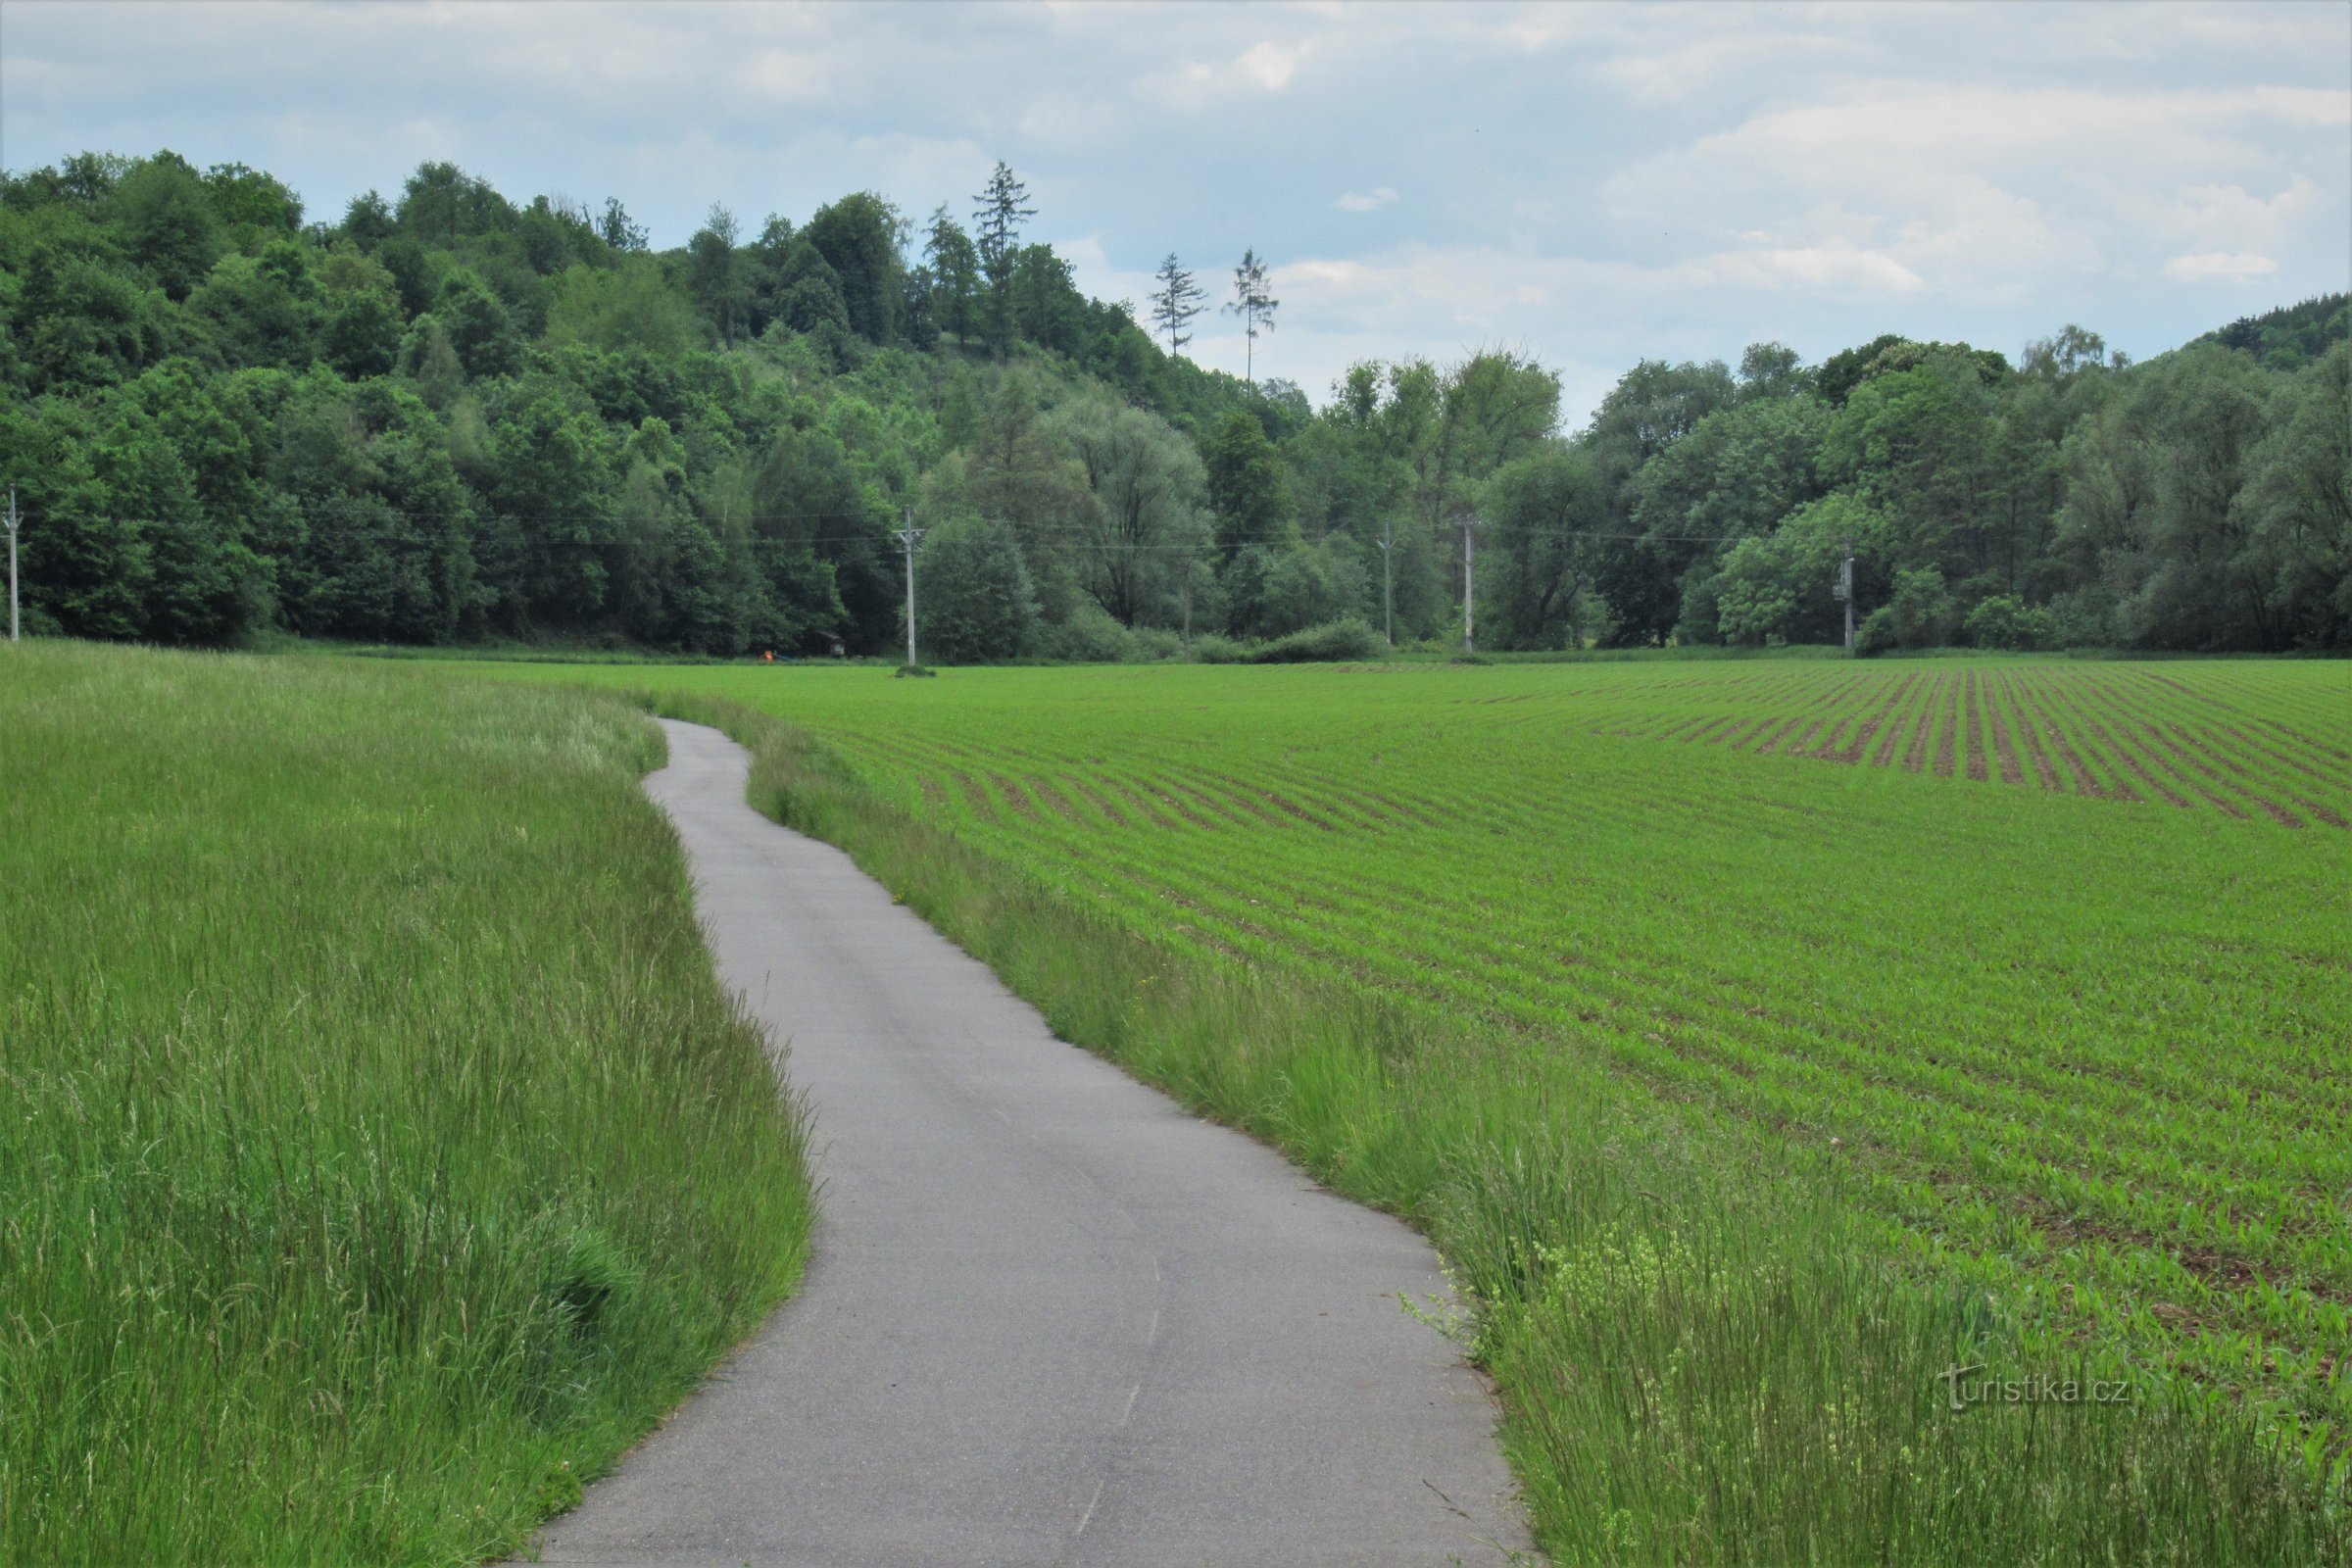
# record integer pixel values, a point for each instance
(1051, 1317)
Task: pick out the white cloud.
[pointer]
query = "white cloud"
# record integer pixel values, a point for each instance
(1838, 267)
(1978, 192)
(2218, 215)
(1265, 66)
(2307, 106)
(1683, 68)
(2213, 264)
(1269, 65)
(1596, 183)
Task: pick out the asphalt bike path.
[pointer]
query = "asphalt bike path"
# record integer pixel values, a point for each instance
(1050, 1317)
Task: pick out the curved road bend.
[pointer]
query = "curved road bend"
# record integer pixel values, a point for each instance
(1050, 1318)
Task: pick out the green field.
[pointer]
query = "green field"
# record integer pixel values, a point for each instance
(2025, 981)
(378, 1155)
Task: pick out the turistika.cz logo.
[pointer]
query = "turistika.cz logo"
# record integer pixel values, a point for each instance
(1963, 1391)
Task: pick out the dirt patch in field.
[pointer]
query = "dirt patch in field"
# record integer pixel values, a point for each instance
(2139, 771)
(2206, 747)
(2044, 769)
(1854, 750)
(1705, 733)
(2167, 740)
(1102, 801)
(2086, 782)
(1225, 810)
(1947, 740)
(2297, 763)
(2003, 750)
(1015, 797)
(975, 796)
(1411, 814)
(1289, 807)
(1972, 727)
(2117, 792)
(1159, 810)
(2229, 1271)
(2301, 738)
(1222, 795)
(1923, 730)
(1051, 798)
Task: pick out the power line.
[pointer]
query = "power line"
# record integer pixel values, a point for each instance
(883, 533)
(13, 520)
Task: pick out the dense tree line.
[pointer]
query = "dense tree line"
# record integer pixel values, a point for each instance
(447, 417)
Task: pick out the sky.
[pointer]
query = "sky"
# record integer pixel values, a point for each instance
(1593, 184)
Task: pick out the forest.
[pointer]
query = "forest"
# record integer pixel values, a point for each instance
(451, 419)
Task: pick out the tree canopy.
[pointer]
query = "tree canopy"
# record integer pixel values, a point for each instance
(447, 415)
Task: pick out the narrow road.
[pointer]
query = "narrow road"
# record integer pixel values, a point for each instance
(1051, 1318)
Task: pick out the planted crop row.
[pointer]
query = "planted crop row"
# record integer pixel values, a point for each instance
(2115, 732)
(2093, 1018)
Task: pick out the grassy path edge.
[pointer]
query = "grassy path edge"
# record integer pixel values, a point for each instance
(1704, 1349)
(379, 1154)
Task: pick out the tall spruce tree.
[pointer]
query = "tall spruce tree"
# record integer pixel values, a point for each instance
(1175, 302)
(1001, 209)
(1254, 306)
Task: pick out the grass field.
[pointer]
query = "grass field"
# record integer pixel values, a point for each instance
(378, 1155)
(1760, 1040)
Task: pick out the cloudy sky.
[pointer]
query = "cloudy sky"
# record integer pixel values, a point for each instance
(1593, 183)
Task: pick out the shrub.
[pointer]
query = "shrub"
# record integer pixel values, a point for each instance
(2081, 620)
(1090, 636)
(1158, 643)
(1918, 616)
(1332, 642)
(1210, 649)
(2007, 621)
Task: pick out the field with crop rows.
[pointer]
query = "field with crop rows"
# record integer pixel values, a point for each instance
(2058, 955)
(2230, 739)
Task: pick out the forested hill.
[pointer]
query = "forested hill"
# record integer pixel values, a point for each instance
(448, 417)
(2290, 336)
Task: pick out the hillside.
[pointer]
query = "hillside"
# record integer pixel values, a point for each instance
(2292, 335)
(449, 416)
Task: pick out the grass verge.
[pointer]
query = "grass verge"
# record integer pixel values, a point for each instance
(378, 1153)
(1708, 1352)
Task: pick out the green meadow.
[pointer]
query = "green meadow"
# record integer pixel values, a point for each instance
(378, 1156)
(1812, 1071)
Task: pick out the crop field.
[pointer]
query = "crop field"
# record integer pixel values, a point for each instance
(2237, 741)
(378, 1155)
(2048, 960)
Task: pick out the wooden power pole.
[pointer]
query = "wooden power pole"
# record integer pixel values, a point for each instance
(909, 537)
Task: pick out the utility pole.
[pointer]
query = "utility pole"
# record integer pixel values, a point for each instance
(909, 537)
(13, 630)
(1846, 591)
(1185, 578)
(1470, 527)
(1388, 583)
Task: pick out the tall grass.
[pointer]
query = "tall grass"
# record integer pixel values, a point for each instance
(378, 1155)
(1708, 1350)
